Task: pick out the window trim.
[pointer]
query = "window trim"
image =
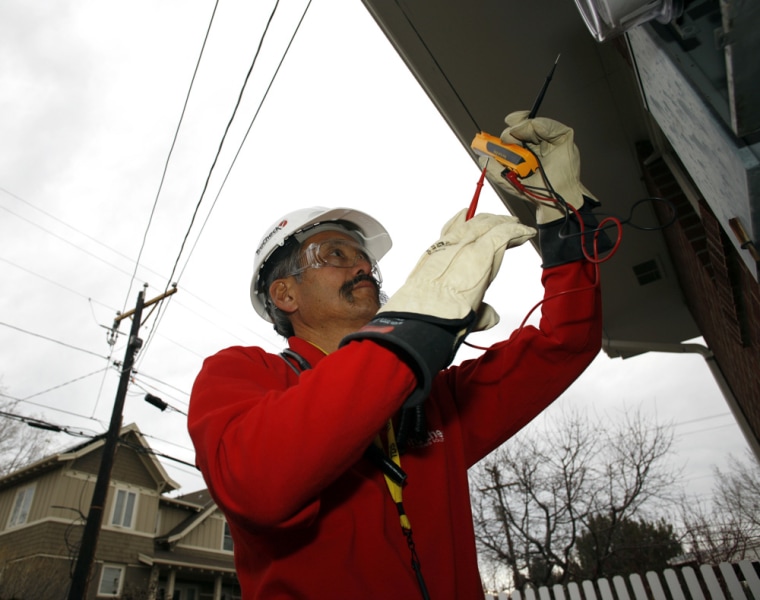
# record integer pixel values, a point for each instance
(227, 534)
(19, 501)
(122, 571)
(115, 504)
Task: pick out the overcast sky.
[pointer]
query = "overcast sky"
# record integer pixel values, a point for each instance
(91, 94)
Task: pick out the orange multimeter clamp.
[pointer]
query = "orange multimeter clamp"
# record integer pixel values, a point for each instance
(516, 158)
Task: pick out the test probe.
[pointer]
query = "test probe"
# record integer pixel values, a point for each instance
(519, 161)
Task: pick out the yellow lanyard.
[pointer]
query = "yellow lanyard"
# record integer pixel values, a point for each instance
(393, 487)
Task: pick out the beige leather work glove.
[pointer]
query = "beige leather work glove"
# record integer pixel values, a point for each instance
(452, 276)
(553, 144)
(426, 320)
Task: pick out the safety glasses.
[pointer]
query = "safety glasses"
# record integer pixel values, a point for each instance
(339, 253)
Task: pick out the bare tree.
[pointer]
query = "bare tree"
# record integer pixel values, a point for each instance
(20, 445)
(730, 528)
(21, 578)
(534, 496)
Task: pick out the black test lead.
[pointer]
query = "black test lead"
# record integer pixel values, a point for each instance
(542, 93)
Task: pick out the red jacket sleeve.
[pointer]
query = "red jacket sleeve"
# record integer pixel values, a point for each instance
(268, 441)
(501, 391)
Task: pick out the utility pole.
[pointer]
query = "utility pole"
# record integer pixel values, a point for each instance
(81, 575)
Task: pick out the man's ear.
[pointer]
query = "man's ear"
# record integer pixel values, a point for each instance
(282, 295)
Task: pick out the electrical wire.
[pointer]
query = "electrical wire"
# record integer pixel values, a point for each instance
(140, 374)
(65, 241)
(245, 137)
(49, 339)
(45, 425)
(65, 224)
(164, 405)
(138, 260)
(104, 370)
(221, 143)
(46, 407)
(143, 450)
(81, 249)
(232, 164)
(62, 385)
(55, 283)
(548, 195)
(169, 155)
(92, 301)
(153, 437)
(207, 181)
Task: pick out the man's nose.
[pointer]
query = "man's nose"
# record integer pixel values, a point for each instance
(362, 266)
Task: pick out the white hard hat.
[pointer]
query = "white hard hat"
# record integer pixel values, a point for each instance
(372, 235)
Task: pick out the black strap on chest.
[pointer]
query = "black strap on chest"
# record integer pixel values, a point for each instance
(303, 364)
(375, 455)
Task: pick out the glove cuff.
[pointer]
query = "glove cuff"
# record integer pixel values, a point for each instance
(426, 344)
(560, 240)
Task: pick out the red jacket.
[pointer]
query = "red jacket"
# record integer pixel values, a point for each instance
(309, 516)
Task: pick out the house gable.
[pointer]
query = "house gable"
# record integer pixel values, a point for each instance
(202, 528)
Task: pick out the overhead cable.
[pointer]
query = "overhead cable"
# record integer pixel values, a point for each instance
(245, 137)
(49, 339)
(168, 157)
(40, 424)
(221, 144)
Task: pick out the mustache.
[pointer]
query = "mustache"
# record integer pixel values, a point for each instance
(347, 288)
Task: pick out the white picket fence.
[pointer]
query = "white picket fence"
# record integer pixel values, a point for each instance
(727, 581)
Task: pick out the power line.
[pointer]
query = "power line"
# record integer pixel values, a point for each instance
(60, 285)
(146, 376)
(164, 441)
(237, 153)
(162, 181)
(61, 410)
(143, 450)
(221, 144)
(90, 299)
(61, 385)
(169, 155)
(49, 339)
(62, 222)
(146, 387)
(64, 240)
(46, 425)
(248, 131)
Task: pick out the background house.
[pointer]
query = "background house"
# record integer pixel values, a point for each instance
(150, 546)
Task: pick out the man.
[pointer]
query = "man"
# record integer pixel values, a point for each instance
(299, 450)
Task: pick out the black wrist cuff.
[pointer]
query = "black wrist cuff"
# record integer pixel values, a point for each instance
(560, 240)
(426, 344)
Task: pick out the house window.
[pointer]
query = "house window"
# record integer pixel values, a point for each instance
(124, 508)
(111, 580)
(21, 506)
(227, 538)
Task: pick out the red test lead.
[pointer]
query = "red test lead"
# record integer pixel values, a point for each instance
(476, 196)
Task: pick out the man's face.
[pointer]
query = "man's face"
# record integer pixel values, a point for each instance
(344, 293)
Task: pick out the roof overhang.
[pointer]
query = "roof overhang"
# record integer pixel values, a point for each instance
(480, 60)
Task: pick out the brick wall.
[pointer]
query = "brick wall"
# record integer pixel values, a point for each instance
(721, 293)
